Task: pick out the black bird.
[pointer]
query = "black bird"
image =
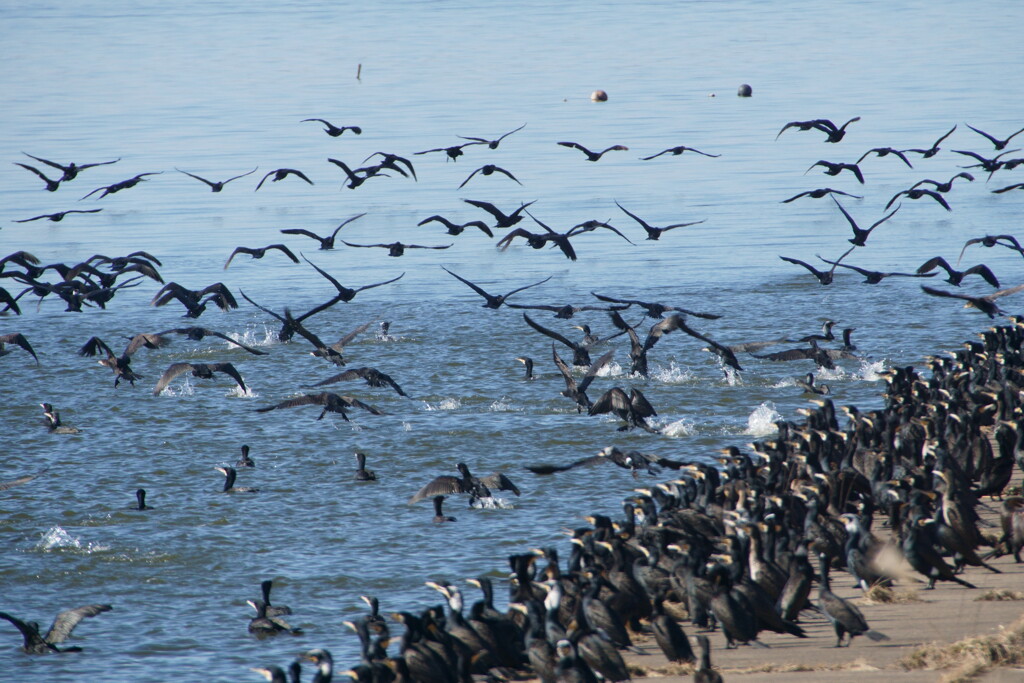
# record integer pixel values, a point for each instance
(281, 174)
(335, 131)
(539, 241)
(363, 474)
(503, 220)
(260, 252)
(676, 151)
(593, 156)
(244, 460)
(11, 302)
(873, 277)
(332, 403)
(333, 353)
(325, 242)
(990, 165)
(439, 516)
(999, 144)
(846, 618)
(860, 236)
(946, 186)
(262, 625)
(216, 186)
(493, 301)
(51, 185)
(198, 333)
(72, 169)
(807, 384)
(567, 311)
(193, 300)
(578, 391)
(528, 364)
(229, 482)
(121, 365)
(580, 351)
(919, 549)
(122, 185)
(1008, 188)
(17, 339)
(704, 672)
(65, 622)
(354, 179)
(489, 169)
(824, 276)
(819, 193)
(834, 134)
(884, 152)
(837, 168)
(396, 248)
(373, 377)
(57, 217)
(955, 277)
(477, 488)
(272, 610)
(345, 294)
(633, 408)
(492, 144)
(986, 304)
(917, 194)
(934, 149)
(140, 500)
(200, 370)
(53, 421)
(654, 232)
(393, 162)
(991, 241)
(655, 310)
(453, 152)
(805, 125)
(455, 228)
(820, 356)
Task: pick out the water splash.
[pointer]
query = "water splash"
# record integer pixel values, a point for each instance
(502, 405)
(681, 427)
(259, 335)
(835, 373)
(443, 404)
(762, 421)
(236, 392)
(673, 374)
(56, 538)
(183, 389)
(492, 503)
(870, 370)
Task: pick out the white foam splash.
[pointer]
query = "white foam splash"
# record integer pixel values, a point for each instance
(732, 378)
(56, 538)
(260, 335)
(236, 392)
(183, 389)
(406, 427)
(835, 373)
(492, 503)
(502, 405)
(673, 374)
(762, 421)
(681, 427)
(869, 370)
(444, 404)
(611, 369)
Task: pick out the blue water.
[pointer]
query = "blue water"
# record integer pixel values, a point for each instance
(218, 89)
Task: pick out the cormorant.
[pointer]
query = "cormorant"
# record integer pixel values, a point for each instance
(259, 252)
(217, 186)
(198, 333)
(946, 186)
(578, 391)
(502, 219)
(955, 277)
(439, 516)
(819, 193)
(372, 376)
(824, 276)
(333, 130)
(38, 644)
(121, 365)
(986, 304)
(594, 156)
(676, 151)
(57, 217)
(193, 300)
(122, 185)
(140, 500)
(492, 144)
(655, 232)
(229, 481)
(272, 610)
(860, 236)
(528, 364)
(477, 488)
(884, 152)
(200, 370)
(71, 170)
(934, 149)
(363, 474)
(325, 242)
(488, 169)
(457, 228)
(332, 403)
(396, 248)
(837, 168)
(262, 626)
(996, 142)
(281, 174)
(917, 194)
(493, 301)
(846, 618)
(244, 460)
(453, 152)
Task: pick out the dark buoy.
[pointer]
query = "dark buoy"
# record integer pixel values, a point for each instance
(745, 91)
(599, 96)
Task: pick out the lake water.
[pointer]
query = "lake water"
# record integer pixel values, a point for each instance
(220, 88)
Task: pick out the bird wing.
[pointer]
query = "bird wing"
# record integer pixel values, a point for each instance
(669, 324)
(594, 368)
(440, 486)
(169, 374)
(300, 174)
(229, 370)
(4, 485)
(985, 272)
(498, 481)
(489, 208)
(991, 138)
(789, 354)
(340, 377)
(193, 175)
(931, 263)
(501, 170)
(32, 639)
(470, 177)
(570, 381)
(472, 286)
(94, 346)
(550, 333)
(305, 400)
(20, 340)
(802, 263)
(576, 145)
(519, 289)
(265, 310)
(505, 241)
(258, 186)
(641, 406)
(611, 401)
(66, 621)
(340, 344)
(236, 177)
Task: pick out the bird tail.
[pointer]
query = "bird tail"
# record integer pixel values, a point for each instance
(876, 636)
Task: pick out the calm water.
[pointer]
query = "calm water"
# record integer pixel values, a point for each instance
(220, 88)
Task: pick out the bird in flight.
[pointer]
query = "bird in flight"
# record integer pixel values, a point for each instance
(216, 186)
(594, 156)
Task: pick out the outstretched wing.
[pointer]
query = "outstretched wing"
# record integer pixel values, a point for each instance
(67, 620)
(440, 486)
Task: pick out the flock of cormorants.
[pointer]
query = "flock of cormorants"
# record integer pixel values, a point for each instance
(739, 546)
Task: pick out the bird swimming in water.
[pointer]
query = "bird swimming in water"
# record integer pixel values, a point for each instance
(809, 387)
(396, 248)
(528, 365)
(488, 169)
(59, 216)
(19, 340)
(819, 193)
(229, 481)
(53, 421)
(200, 370)
(11, 483)
(363, 474)
(594, 156)
(917, 194)
(70, 171)
(140, 500)
(456, 228)
(332, 403)
(934, 149)
(837, 168)
(676, 151)
(37, 644)
(281, 174)
(216, 186)
(333, 130)
(260, 252)
(491, 300)
(439, 516)
(244, 460)
(502, 219)
(493, 144)
(654, 232)
(860, 236)
(477, 487)
(325, 242)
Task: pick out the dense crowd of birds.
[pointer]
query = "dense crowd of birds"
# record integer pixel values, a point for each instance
(740, 545)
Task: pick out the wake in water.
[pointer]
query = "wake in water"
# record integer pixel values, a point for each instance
(681, 427)
(492, 503)
(443, 404)
(56, 538)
